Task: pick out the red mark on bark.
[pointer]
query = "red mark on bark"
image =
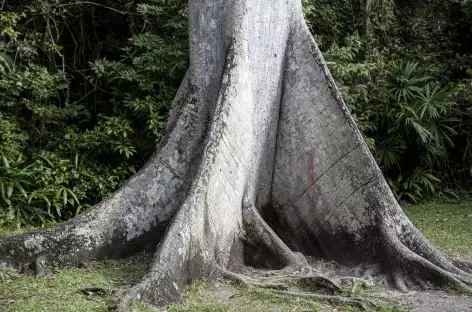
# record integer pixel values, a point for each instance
(310, 169)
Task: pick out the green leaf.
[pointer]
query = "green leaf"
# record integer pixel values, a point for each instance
(2, 189)
(64, 197)
(58, 210)
(10, 190)
(46, 160)
(21, 189)
(34, 195)
(45, 199)
(73, 195)
(6, 164)
(78, 210)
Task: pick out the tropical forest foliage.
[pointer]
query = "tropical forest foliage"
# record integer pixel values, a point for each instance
(85, 87)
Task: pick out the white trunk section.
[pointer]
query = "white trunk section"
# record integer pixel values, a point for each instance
(237, 161)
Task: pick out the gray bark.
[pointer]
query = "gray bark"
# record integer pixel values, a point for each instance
(261, 156)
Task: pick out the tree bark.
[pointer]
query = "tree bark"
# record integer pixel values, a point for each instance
(262, 165)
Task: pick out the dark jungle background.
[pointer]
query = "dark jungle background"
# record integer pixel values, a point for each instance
(85, 87)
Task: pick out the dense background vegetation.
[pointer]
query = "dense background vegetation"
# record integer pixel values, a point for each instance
(85, 87)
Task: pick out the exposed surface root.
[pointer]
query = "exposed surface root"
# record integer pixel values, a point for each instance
(251, 282)
(156, 289)
(305, 278)
(297, 283)
(414, 271)
(463, 264)
(260, 234)
(358, 303)
(313, 282)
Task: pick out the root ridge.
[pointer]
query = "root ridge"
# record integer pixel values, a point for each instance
(260, 234)
(295, 282)
(157, 290)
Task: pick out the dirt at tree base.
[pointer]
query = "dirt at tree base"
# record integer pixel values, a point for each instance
(233, 298)
(435, 301)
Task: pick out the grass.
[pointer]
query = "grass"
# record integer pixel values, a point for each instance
(66, 290)
(447, 225)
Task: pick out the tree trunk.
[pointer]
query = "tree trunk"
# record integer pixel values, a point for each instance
(261, 163)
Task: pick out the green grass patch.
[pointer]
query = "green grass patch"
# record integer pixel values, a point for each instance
(447, 225)
(70, 289)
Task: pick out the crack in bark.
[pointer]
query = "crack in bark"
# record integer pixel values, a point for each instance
(334, 211)
(230, 150)
(282, 93)
(326, 171)
(369, 181)
(171, 170)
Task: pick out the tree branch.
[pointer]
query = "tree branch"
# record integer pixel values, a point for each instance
(93, 3)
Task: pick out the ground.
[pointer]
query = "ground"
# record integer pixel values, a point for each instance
(447, 225)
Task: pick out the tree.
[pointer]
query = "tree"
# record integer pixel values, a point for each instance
(262, 165)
